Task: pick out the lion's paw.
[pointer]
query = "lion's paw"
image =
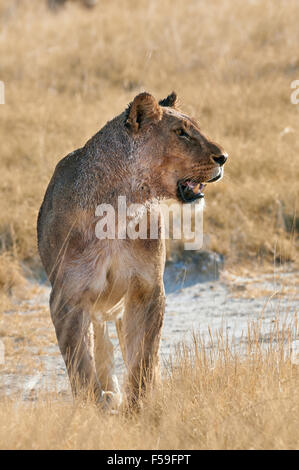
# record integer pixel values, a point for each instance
(110, 401)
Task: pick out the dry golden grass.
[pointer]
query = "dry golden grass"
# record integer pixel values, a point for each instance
(231, 62)
(26, 332)
(212, 397)
(12, 281)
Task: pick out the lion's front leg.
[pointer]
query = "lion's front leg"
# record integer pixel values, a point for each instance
(104, 361)
(142, 325)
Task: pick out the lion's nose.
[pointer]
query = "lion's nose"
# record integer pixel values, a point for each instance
(220, 159)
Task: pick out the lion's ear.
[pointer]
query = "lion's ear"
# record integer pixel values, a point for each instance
(143, 112)
(170, 101)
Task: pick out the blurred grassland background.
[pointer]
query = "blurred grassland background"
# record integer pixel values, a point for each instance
(231, 63)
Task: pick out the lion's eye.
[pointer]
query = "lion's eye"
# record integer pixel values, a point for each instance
(182, 133)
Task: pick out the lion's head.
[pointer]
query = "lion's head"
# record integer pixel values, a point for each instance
(179, 159)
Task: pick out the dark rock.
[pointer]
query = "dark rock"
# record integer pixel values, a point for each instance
(192, 268)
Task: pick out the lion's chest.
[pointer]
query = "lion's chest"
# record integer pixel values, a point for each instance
(110, 282)
(118, 265)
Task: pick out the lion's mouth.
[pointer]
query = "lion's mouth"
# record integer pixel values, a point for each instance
(189, 190)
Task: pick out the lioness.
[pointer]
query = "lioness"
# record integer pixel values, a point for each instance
(149, 152)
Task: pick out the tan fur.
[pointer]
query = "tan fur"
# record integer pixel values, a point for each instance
(138, 155)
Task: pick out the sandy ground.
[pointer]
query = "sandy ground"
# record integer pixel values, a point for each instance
(194, 303)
